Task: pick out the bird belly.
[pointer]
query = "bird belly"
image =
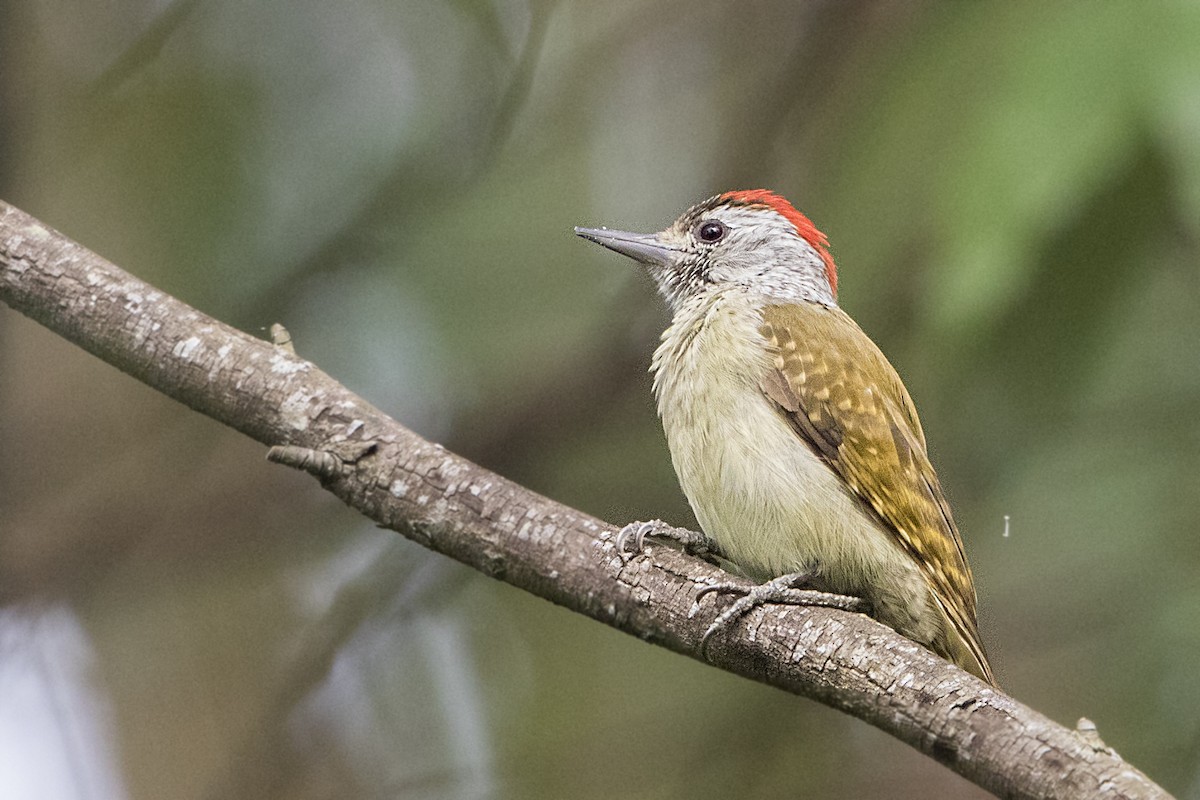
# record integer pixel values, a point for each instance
(757, 489)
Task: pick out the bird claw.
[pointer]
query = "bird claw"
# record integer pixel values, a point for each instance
(637, 531)
(693, 542)
(782, 590)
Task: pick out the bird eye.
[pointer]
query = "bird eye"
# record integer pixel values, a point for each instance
(710, 231)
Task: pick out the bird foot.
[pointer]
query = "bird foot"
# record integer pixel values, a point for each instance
(635, 533)
(784, 590)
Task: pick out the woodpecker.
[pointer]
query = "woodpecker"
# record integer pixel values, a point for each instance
(793, 437)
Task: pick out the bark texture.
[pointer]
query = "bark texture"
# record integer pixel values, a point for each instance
(455, 507)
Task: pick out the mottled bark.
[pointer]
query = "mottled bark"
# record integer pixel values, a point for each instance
(455, 507)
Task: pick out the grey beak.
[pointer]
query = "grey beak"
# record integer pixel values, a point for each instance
(644, 247)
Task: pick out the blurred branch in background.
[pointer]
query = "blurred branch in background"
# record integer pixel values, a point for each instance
(381, 213)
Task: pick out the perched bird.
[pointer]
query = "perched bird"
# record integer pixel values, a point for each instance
(794, 439)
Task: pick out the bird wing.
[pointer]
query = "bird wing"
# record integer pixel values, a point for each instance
(848, 403)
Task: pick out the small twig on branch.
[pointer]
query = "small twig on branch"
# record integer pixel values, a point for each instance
(455, 507)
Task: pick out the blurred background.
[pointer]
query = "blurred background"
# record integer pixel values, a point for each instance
(1012, 192)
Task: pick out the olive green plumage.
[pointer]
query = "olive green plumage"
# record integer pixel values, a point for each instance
(851, 407)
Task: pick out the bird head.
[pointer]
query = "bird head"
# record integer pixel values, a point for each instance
(754, 240)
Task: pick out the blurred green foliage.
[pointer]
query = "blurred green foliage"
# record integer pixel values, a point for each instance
(1012, 191)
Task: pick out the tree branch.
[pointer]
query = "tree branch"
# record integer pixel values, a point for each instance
(455, 507)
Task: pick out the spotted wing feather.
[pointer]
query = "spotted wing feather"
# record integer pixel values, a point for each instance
(849, 405)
